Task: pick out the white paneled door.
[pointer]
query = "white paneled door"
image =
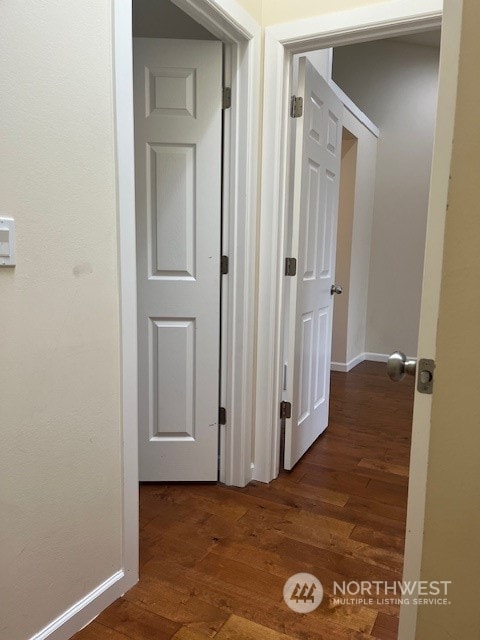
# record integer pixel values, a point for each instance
(178, 129)
(316, 185)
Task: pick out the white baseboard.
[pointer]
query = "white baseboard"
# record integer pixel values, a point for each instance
(86, 609)
(382, 357)
(345, 367)
(376, 357)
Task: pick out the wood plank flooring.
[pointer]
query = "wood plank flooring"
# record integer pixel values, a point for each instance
(214, 559)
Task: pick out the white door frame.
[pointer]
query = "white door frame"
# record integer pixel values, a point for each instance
(234, 26)
(388, 19)
(230, 23)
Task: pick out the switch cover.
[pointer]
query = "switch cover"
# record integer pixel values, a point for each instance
(7, 242)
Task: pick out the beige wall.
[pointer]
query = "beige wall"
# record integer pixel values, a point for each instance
(361, 236)
(346, 202)
(269, 12)
(254, 8)
(60, 474)
(395, 84)
(276, 11)
(353, 242)
(452, 525)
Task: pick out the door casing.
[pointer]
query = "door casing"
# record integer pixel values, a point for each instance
(242, 34)
(282, 41)
(241, 38)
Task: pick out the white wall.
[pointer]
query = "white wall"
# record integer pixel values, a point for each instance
(353, 246)
(395, 84)
(60, 458)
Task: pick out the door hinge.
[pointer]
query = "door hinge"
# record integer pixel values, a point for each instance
(285, 410)
(222, 415)
(296, 107)
(226, 98)
(224, 265)
(290, 266)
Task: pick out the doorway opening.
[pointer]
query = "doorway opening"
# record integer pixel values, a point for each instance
(282, 43)
(178, 163)
(194, 101)
(395, 83)
(383, 198)
(365, 240)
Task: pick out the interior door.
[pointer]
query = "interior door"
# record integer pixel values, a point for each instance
(314, 228)
(178, 129)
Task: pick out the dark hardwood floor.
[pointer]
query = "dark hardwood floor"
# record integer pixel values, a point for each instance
(214, 559)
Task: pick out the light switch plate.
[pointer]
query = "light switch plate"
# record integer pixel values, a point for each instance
(7, 242)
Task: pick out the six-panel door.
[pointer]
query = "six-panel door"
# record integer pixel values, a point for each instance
(316, 186)
(177, 91)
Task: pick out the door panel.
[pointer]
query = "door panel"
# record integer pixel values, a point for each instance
(177, 90)
(315, 208)
(171, 171)
(173, 411)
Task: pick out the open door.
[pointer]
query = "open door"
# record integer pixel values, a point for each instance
(314, 229)
(178, 129)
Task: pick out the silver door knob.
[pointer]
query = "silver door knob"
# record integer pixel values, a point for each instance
(398, 366)
(336, 288)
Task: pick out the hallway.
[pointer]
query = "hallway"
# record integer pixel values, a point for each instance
(214, 559)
